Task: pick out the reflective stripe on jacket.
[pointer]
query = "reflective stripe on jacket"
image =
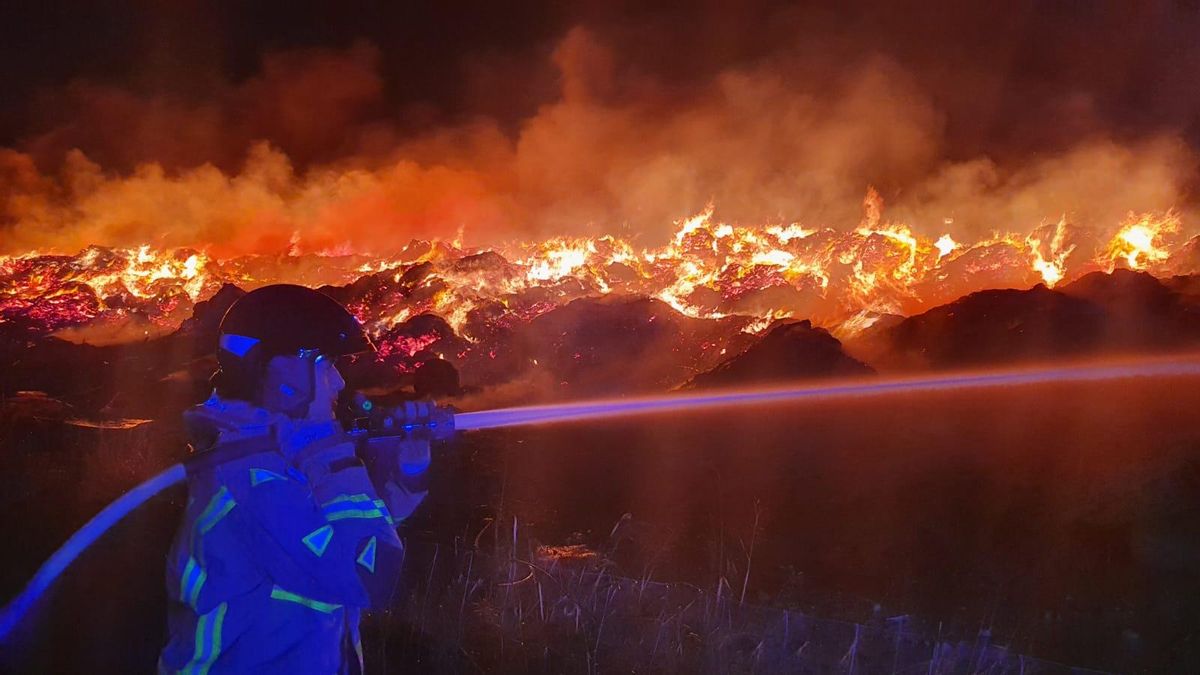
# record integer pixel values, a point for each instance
(272, 565)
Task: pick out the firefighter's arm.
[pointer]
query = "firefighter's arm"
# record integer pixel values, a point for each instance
(323, 532)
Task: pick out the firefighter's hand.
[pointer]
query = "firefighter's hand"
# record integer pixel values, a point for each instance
(414, 412)
(399, 467)
(406, 456)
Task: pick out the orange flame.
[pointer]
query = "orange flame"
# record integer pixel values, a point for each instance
(1141, 241)
(707, 269)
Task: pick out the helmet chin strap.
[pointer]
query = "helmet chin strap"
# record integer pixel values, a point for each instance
(287, 391)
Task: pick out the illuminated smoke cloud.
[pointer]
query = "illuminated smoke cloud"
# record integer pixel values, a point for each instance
(300, 157)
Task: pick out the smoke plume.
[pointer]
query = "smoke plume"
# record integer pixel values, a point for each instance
(307, 154)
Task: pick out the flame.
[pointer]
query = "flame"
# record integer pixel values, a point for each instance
(144, 271)
(1053, 268)
(945, 246)
(1140, 243)
(758, 325)
(786, 234)
(399, 317)
(696, 222)
(558, 258)
(707, 269)
(858, 323)
(454, 309)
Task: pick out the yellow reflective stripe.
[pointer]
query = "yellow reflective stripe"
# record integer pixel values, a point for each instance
(367, 557)
(210, 518)
(221, 504)
(208, 641)
(360, 497)
(318, 540)
(379, 504)
(278, 593)
(356, 513)
(259, 476)
(194, 600)
(217, 507)
(185, 579)
(191, 582)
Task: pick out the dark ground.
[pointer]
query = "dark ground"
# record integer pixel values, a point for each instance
(1064, 518)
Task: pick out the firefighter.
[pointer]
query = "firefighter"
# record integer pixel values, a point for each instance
(291, 533)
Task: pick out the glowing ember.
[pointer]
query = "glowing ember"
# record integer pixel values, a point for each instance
(707, 269)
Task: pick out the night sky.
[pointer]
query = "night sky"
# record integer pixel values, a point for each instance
(1136, 64)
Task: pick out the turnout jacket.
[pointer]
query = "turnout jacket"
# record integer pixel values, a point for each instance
(281, 549)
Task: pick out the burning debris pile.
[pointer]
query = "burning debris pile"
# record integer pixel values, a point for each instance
(580, 316)
(711, 270)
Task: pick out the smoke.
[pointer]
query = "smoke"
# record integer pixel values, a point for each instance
(311, 102)
(304, 156)
(1096, 183)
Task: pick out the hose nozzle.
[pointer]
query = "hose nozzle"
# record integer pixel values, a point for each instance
(417, 419)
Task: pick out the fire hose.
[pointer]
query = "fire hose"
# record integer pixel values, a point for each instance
(430, 422)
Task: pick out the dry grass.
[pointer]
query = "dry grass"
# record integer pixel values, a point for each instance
(521, 607)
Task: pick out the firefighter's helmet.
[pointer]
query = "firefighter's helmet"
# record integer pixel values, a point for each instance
(282, 319)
